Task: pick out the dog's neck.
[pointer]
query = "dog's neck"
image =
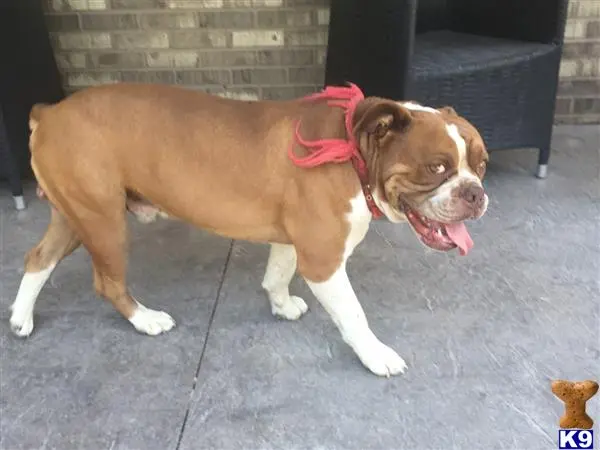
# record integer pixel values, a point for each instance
(337, 150)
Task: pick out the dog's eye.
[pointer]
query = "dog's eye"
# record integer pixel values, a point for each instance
(437, 169)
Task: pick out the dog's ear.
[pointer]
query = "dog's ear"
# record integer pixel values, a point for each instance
(379, 116)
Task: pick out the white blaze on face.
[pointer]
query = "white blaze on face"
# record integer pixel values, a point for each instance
(464, 170)
(416, 107)
(465, 174)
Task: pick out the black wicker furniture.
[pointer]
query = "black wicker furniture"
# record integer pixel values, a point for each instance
(496, 62)
(28, 75)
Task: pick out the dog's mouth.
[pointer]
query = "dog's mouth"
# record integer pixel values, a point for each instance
(438, 235)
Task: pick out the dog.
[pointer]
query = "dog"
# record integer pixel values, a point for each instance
(306, 176)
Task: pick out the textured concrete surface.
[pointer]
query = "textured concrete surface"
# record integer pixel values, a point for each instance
(483, 336)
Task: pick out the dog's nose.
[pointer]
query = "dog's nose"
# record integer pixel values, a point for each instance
(472, 194)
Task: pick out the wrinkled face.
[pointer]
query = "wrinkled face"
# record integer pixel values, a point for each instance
(429, 165)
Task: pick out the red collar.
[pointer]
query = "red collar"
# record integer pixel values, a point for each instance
(337, 150)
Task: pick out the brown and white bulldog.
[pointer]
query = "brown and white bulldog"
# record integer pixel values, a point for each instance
(306, 176)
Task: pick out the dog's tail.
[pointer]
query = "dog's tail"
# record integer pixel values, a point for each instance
(35, 115)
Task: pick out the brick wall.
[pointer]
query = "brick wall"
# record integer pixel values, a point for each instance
(240, 48)
(254, 48)
(579, 92)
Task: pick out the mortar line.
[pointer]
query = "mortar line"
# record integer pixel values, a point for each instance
(205, 344)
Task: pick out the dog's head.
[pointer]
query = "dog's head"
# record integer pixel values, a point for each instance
(427, 166)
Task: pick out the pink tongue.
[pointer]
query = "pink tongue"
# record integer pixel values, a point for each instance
(458, 233)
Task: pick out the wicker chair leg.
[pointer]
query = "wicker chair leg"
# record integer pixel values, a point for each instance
(19, 202)
(17, 190)
(543, 158)
(9, 162)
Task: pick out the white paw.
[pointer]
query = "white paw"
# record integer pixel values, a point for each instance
(151, 322)
(291, 309)
(21, 323)
(381, 359)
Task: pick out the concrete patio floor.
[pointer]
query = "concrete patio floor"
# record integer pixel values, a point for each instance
(483, 335)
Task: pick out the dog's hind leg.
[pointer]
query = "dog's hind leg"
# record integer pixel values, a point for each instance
(59, 241)
(281, 267)
(104, 234)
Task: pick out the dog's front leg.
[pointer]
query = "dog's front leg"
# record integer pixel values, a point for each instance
(339, 300)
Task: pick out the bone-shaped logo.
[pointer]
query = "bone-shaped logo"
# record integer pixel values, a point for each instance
(575, 394)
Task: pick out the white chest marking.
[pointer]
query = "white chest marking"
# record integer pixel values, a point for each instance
(359, 218)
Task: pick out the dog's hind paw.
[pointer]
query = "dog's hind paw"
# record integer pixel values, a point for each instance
(151, 322)
(291, 309)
